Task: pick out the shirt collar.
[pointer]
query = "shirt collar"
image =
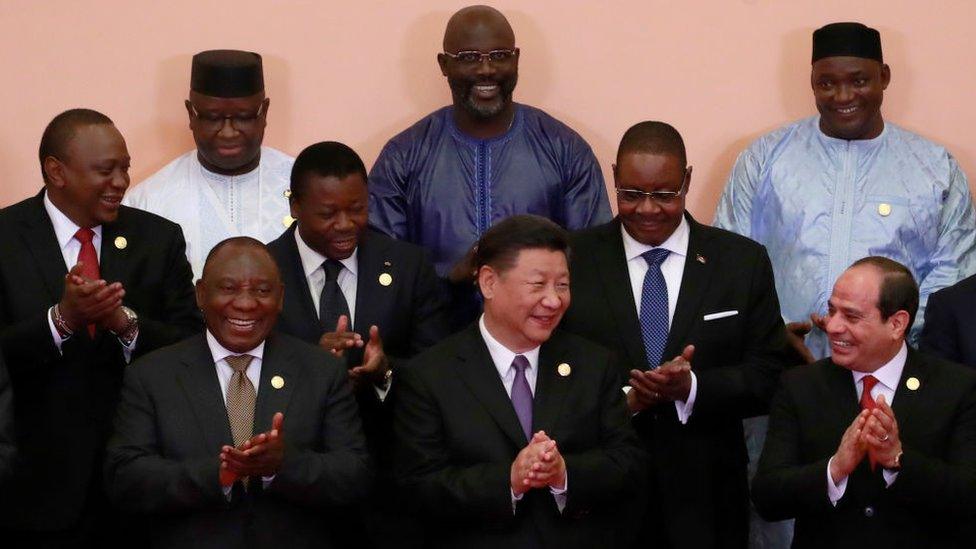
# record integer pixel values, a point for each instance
(889, 374)
(312, 260)
(219, 352)
(221, 178)
(64, 228)
(677, 243)
(857, 143)
(501, 355)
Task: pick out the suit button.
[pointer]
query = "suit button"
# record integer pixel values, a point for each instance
(869, 511)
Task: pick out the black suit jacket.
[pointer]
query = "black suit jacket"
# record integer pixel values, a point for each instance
(457, 435)
(163, 457)
(933, 496)
(409, 312)
(949, 330)
(65, 400)
(698, 492)
(7, 443)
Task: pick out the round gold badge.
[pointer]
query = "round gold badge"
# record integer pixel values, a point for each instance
(121, 242)
(884, 209)
(277, 382)
(564, 369)
(386, 279)
(913, 384)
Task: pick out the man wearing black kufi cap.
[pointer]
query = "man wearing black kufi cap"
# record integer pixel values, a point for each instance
(230, 185)
(830, 189)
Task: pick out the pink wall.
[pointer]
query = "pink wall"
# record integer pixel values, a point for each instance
(721, 71)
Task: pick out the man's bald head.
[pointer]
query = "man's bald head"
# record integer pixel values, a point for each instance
(236, 245)
(476, 19)
(653, 137)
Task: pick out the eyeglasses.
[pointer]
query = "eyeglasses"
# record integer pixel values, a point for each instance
(473, 58)
(635, 196)
(214, 121)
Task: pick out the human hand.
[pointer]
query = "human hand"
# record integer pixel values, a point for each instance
(672, 380)
(880, 434)
(375, 362)
(341, 339)
(549, 468)
(850, 451)
(260, 456)
(519, 479)
(86, 301)
(794, 336)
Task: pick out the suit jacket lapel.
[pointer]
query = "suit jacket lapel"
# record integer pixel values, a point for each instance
(277, 362)
(298, 296)
(478, 372)
(840, 384)
(906, 399)
(198, 378)
(370, 264)
(695, 279)
(39, 239)
(114, 254)
(550, 387)
(611, 263)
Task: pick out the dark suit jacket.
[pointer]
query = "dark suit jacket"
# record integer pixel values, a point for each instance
(65, 400)
(457, 435)
(950, 323)
(8, 446)
(409, 312)
(698, 491)
(163, 457)
(935, 492)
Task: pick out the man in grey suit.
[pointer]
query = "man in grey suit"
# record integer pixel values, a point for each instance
(237, 437)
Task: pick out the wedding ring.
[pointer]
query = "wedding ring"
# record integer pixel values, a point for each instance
(885, 438)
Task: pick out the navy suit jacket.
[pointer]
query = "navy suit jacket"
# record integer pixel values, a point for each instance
(950, 323)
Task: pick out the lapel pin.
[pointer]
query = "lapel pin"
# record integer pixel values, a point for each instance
(387, 264)
(700, 258)
(884, 209)
(287, 193)
(121, 242)
(913, 384)
(386, 279)
(564, 369)
(287, 220)
(277, 382)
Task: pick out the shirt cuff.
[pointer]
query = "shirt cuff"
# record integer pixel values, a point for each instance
(54, 331)
(515, 499)
(685, 408)
(381, 392)
(559, 494)
(128, 349)
(835, 491)
(890, 477)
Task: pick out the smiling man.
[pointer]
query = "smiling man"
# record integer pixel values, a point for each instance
(829, 189)
(372, 300)
(876, 445)
(692, 314)
(445, 180)
(85, 286)
(512, 433)
(238, 437)
(230, 185)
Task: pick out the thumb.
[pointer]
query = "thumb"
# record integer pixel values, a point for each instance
(278, 421)
(343, 324)
(77, 269)
(374, 335)
(688, 352)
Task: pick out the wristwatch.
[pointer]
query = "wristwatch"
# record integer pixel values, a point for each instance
(387, 377)
(127, 334)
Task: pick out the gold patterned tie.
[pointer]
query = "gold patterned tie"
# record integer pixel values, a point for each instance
(240, 399)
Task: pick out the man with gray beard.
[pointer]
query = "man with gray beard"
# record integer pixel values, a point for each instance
(447, 179)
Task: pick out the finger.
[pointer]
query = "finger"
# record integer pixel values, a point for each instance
(78, 269)
(374, 335)
(688, 352)
(277, 423)
(343, 324)
(799, 329)
(89, 288)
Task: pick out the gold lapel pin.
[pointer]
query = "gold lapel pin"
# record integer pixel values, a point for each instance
(287, 193)
(277, 382)
(287, 220)
(700, 258)
(387, 264)
(386, 279)
(884, 209)
(913, 384)
(564, 369)
(121, 242)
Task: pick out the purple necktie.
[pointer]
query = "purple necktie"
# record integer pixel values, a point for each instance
(522, 395)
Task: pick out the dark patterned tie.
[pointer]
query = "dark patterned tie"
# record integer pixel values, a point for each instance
(522, 395)
(654, 307)
(332, 304)
(241, 397)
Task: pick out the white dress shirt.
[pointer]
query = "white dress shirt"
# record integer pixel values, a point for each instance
(503, 357)
(888, 377)
(673, 270)
(64, 231)
(225, 372)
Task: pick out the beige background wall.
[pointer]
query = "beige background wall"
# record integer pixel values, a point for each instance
(721, 71)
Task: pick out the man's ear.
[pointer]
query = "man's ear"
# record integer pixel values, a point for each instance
(899, 324)
(54, 171)
(487, 281)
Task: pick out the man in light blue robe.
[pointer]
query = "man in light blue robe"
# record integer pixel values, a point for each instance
(445, 180)
(828, 190)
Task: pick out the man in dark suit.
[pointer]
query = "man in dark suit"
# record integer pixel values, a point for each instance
(238, 437)
(896, 470)
(360, 294)
(948, 329)
(67, 335)
(654, 284)
(7, 445)
(512, 433)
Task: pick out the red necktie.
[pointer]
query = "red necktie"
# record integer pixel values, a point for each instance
(868, 403)
(89, 260)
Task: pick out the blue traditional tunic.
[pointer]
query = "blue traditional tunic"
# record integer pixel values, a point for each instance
(437, 187)
(819, 203)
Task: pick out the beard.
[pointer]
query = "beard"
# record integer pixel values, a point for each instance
(462, 90)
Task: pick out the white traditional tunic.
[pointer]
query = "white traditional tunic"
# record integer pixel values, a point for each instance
(211, 207)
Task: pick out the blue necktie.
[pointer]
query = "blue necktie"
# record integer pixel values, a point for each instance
(654, 307)
(522, 395)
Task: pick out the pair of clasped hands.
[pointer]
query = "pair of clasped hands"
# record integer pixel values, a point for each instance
(97, 302)
(538, 465)
(258, 457)
(375, 362)
(668, 382)
(873, 433)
